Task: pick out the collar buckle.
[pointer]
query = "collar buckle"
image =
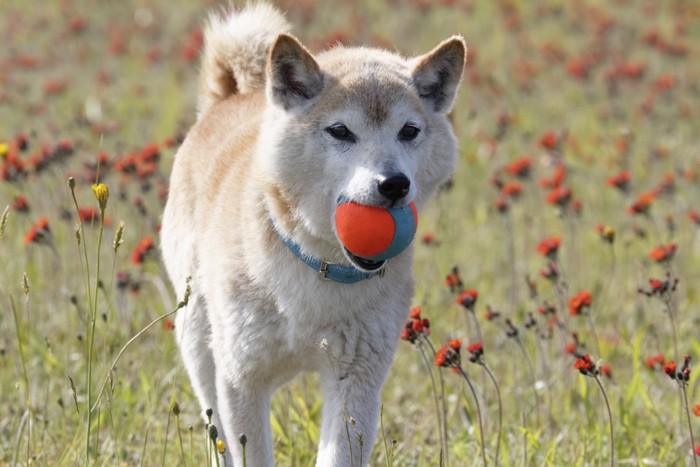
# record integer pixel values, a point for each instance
(323, 270)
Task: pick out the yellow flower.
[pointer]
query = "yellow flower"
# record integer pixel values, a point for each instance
(102, 194)
(608, 234)
(220, 446)
(4, 149)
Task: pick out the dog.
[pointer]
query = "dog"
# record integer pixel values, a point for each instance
(281, 135)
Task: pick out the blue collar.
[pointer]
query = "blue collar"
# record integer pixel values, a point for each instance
(328, 271)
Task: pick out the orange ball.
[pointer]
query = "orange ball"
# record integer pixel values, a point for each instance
(373, 232)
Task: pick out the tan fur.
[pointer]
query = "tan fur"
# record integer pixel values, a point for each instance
(261, 155)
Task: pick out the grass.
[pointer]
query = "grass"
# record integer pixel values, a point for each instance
(82, 78)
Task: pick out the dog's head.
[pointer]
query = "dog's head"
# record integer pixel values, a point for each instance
(358, 123)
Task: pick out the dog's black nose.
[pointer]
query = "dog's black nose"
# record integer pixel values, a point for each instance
(395, 187)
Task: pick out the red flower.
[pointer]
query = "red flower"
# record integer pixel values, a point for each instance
(550, 272)
(39, 232)
(415, 312)
(559, 196)
(694, 217)
(88, 214)
(557, 178)
(549, 140)
(512, 189)
(415, 326)
(642, 204)
(571, 347)
(696, 410)
(697, 450)
(520, 167)
(20, 204)
(660, 287)
(448, 354)
(453, 281)
(144, 247)
(670, 369)
(578, 302)
(501, 205)
(605, 370)
(584, 364)
(663, 253)
(549, 246)
(491, 314)
(429, 239)
(620, 181)
(667, 185)
(577, 206)
(477, 351)
(468, 298)
(654, 360)
(168, 325)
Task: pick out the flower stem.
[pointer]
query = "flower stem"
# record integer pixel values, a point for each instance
(91, 335)
(443, 401)
(478, 411)
(610, 418)
(672, 318)
(690, 424)
(500, 410)
(594, 334)
(442, 424)
(531, 370)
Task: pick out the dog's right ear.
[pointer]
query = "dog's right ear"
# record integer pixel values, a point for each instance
(294, 77)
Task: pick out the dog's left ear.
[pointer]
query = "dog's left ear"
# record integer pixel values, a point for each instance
(437, 74)
(294, 77)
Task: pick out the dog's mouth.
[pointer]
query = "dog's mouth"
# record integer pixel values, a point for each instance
(364, 263)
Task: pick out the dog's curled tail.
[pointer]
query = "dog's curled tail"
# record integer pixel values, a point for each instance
(236, 46)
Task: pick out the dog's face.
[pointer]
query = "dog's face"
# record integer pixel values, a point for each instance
(362, 124)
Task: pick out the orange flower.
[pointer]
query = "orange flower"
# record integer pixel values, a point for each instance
(654, 360)
(453, 281)
(557, 178)
(512, 189)
(144, 247)
(448, 354)
(578, 302)
(620, 181)
(584, 364)
(642, 204)
(415, 312)
(549, 140)
(477, 351)
(468, 298)
(39, 232)
(696, 410)
(663, 253)
(20, 204)
(670, 369)
(549, 246)
(694, 217)
(520, 167)
(559, 196)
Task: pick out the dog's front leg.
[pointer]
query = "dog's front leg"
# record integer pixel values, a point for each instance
(351, 407)
(244, 409)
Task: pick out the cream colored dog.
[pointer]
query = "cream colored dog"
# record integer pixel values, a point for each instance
(280, 136)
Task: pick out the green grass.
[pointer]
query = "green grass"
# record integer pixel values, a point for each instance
(119, 103)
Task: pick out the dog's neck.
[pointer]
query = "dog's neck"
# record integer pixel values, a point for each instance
(316, 253)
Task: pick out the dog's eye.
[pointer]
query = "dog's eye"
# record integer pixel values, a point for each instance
(341, 132)
(408, 132)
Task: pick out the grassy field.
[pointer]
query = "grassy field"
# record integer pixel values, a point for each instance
(577, 120)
